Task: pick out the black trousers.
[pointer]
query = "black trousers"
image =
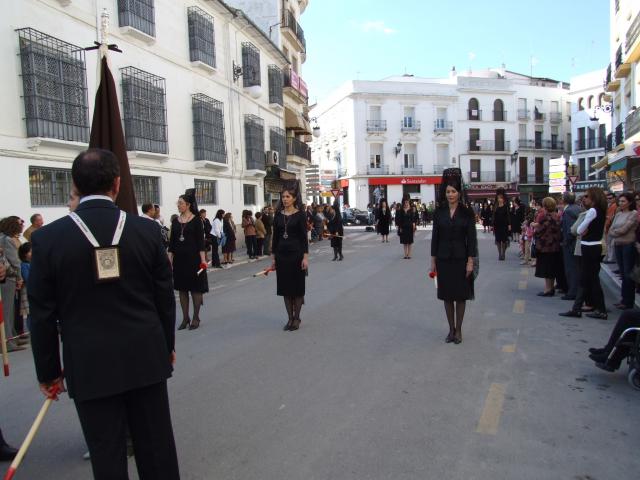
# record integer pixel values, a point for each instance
(590, 280)
(628, 319)
(215, 257)
(146, 412)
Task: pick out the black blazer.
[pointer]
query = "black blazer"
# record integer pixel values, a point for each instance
(115, 336)
(453, 238)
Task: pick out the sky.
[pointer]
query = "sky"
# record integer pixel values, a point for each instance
(374, 39)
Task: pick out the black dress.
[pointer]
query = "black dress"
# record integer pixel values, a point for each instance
(335, 228)
(501, 223)
(289, 252)
(453, 241)
(186, 256)
(384, 219)
(405, 222)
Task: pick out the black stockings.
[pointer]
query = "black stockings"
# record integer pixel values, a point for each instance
(455, 316)
(184, 304)
(294, 307)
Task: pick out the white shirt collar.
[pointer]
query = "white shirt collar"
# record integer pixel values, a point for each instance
(144, 215)
(95, 197)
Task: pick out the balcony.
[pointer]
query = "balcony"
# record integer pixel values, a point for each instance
(438, 169)
(632, 43)
(442, 126)
(536, 179)
(610, 84)
(409, 126)
(555, 117)
(297, 148)
(622, 69)
(293, 84)
(342, 172)
(415, 170)
(632, 123)
(373, 170)
(609, 145)
(541, 144)
(376, 126)
(489, 177)
(474, 114)
(488, 146)
(499, 115)
(523, 114)
(589, 143)
(293, 30)
(538, 116)
(619, 135)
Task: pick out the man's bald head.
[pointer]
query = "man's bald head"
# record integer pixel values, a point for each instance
(95, 172)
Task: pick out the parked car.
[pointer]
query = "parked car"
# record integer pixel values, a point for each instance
(353, 216)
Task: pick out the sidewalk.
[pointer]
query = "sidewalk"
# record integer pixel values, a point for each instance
(614, 280)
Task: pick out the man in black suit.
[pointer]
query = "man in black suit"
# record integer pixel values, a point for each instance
(115, 304)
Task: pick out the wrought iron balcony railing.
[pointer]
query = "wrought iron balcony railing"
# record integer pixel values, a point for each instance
(441, 125)
(474, 114)
(589, 143)
(414, 170)
(376, 126)
(373, 170)
(633, 33)
(523, 114)
(555, 117)
(541, 144)
(618, 56)
(409, 126)
(488, 145)
(632, 123)
(540, 178)
(298, 148)
(486, 176)
(619, 137)
(499, 115)
(609, 145)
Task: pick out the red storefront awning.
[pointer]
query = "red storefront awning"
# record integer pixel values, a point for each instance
(407, 180)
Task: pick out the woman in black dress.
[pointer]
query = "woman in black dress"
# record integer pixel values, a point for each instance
(384, 220)
(290, 252)
(487, 215)
(406, 223)
(187, 256)
(453, 246)
(501, 223)
(336, 230)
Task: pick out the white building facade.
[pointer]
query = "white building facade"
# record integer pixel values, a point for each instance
(188, 120)
(590, 125)
(394, 137)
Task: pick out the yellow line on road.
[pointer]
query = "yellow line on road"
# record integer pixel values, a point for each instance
(490, 418)
(509, 348)
(518, 306)
(524, 271)
(522, 285)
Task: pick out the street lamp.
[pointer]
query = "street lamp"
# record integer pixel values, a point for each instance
(597, 110)
(398, 148)
(316, 127)
(255, 91)
(514, 156)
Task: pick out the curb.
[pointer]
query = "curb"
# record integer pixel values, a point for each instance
(613, 278)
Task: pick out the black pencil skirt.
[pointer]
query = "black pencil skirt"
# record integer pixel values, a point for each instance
(453, 283)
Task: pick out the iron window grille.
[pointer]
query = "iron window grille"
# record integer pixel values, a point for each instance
(250, 65)
(249, 194)
(138, 14)
(276, 81)
(208, 129)
(54, 87)
(147, 189)
(202, 46)
(278, 143)
(254, 141)
(206, 192)
(145, 114)
(49, 187)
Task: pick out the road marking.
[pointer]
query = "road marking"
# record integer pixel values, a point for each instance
(522, 285)
(244, 279)
(518, 306)
(524, 271)
(509, 348)
(218, 287)
(490, 418)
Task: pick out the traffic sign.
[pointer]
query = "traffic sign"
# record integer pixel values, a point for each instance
(556, 168)
(560, 189)
(557, 182)
(557, 161)
(573, 179)
(335, 192)
(557, 175)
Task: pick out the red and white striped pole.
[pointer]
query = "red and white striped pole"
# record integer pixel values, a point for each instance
(3, 341)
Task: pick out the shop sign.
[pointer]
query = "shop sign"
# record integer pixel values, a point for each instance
(435, 180)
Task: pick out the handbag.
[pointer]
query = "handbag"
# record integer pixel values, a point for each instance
(223, 240)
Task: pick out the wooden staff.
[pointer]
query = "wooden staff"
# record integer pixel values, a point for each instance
(332, 235)
(32, 433)
(3, 340)
(264, 272)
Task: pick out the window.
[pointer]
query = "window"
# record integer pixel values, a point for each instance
(474, 138)
(254, 141)
(474, 109)
(49, 187)
(498, 136)
(138, 14)
(582, 169)
(206, 192)
(475, 170)
(537, 110)
(522, 131)
(555, 145)
(523, 170)
(275, 85)
(208, 129)
(590, 102)
(375, 157)
(600, 99)
(539, 164)
(146, 189)
(250, 65)
(442, 154)
(538, 136)
(278, 142)
(145, 115)
(249, 194)
(409, 117)
(523, 112)
(580, 103)
(202, 47)
(499, 115)
(410, 155)
(501, 172)
(54, 87)
(591, 161)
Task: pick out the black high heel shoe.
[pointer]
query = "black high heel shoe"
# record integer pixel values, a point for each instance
(451, 337)
(458, 338)
(195, 323)
(185, 323)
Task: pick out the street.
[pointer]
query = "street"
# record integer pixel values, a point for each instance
(367, 388)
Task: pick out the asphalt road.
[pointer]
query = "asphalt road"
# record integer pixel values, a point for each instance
(367, 388)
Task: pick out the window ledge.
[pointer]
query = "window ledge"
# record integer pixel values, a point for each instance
(204, 66)
(210, 164)
(34, 143)
(163, 157)
(277, 107)
(256, 173)
(140, 35)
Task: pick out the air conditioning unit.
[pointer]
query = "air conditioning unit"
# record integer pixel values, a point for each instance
(272, 158)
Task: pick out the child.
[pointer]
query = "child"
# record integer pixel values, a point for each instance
(24, 252)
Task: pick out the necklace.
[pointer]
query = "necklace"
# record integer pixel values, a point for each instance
(182, 225)
(285, 235)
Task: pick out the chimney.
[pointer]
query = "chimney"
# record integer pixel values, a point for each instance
(453, 72)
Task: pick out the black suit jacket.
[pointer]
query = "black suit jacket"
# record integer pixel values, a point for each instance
(115, 336)
(453, 238)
